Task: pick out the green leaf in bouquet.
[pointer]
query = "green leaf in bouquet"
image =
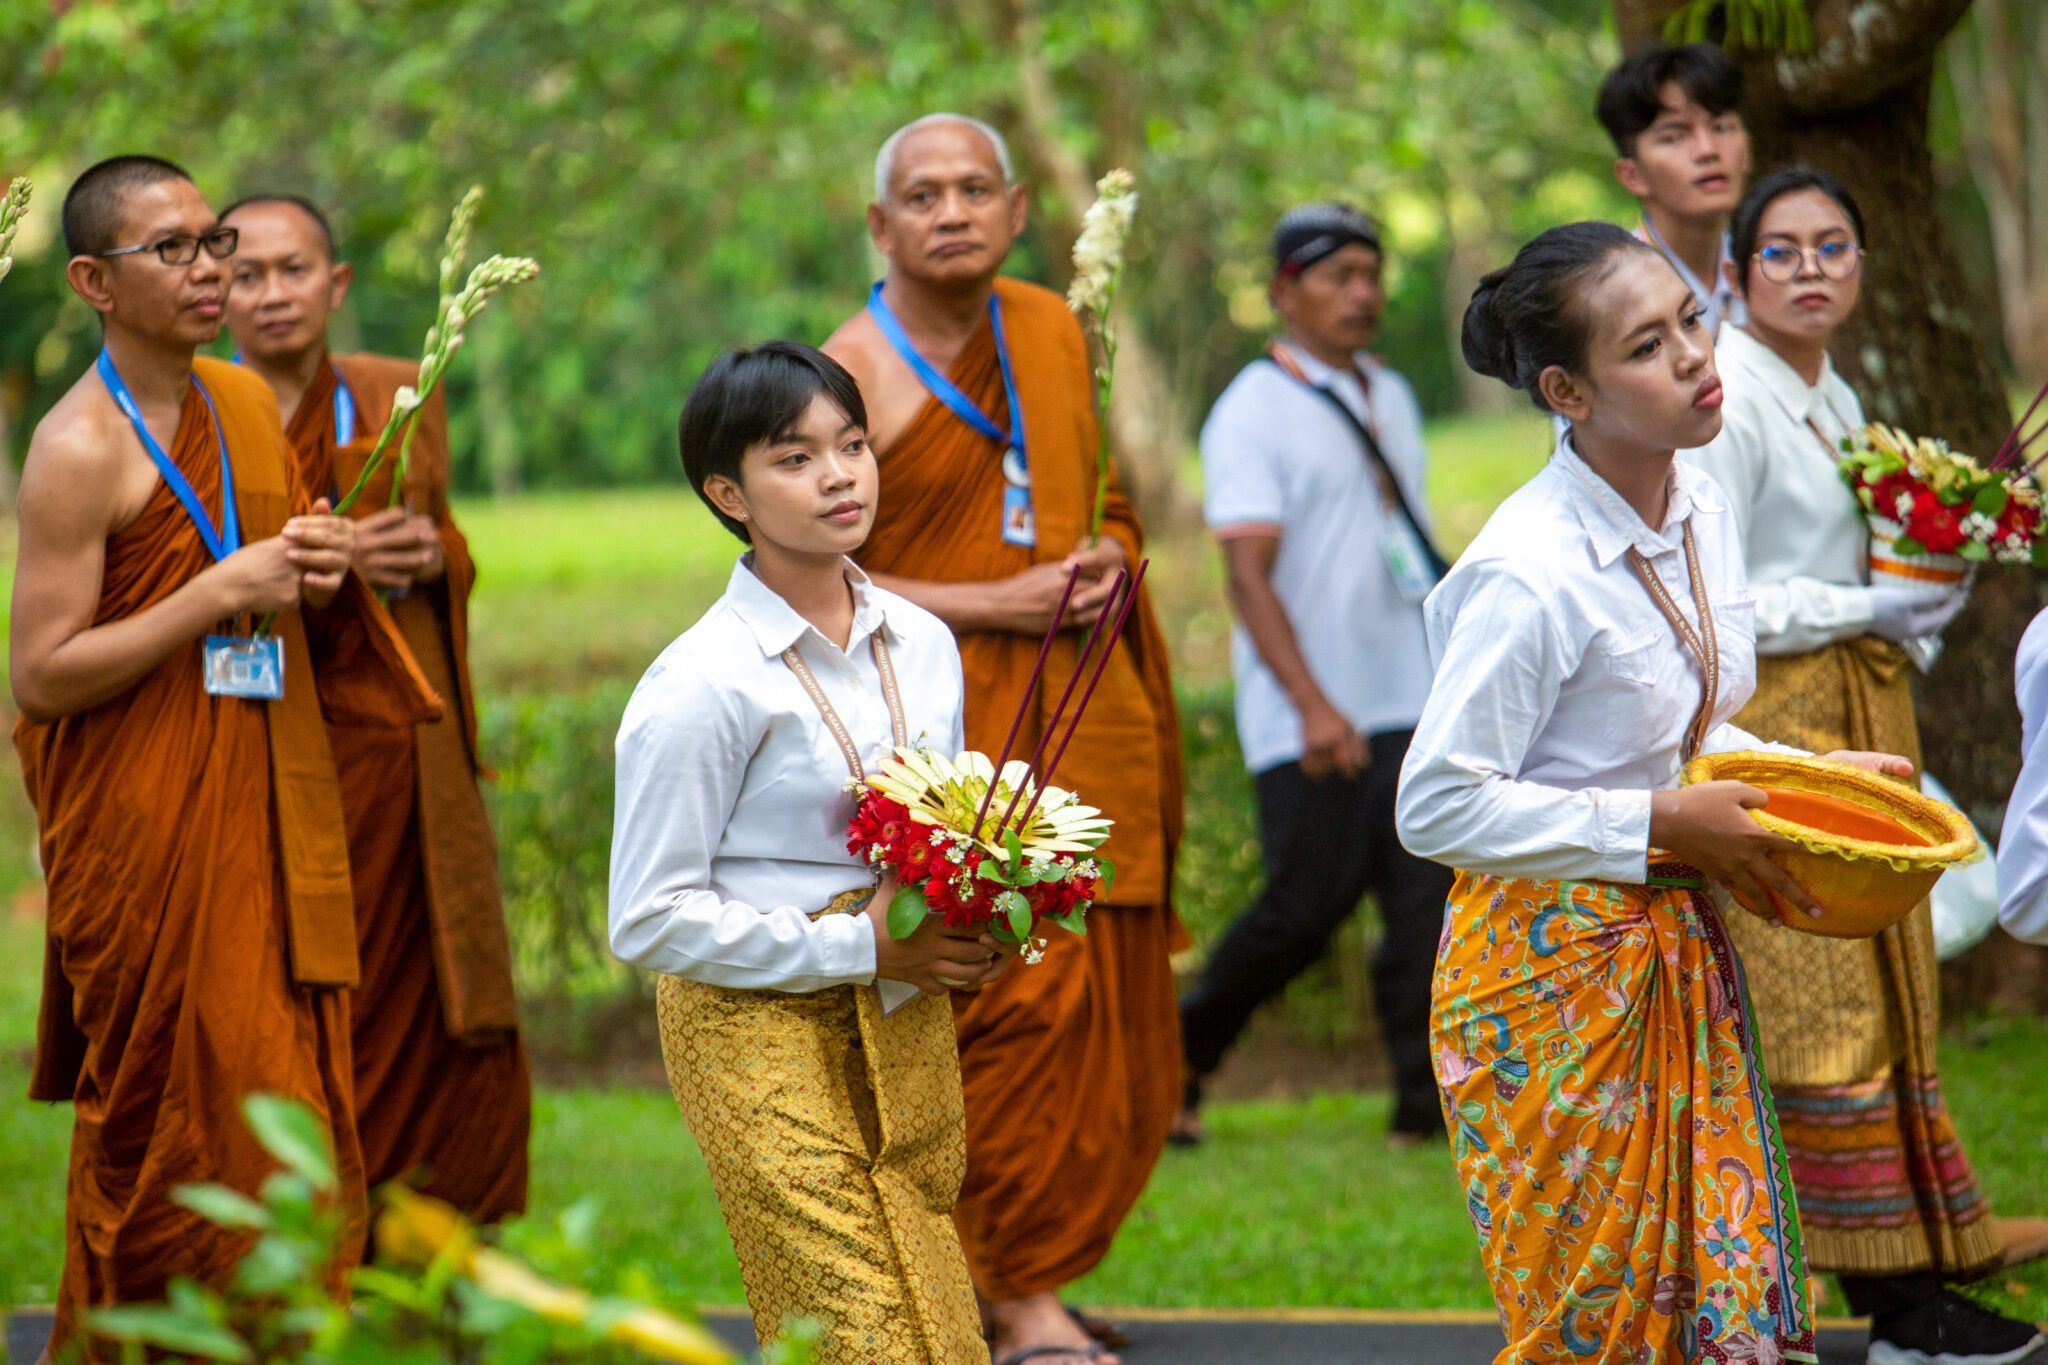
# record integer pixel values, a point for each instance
(1108, 873)
(1018, 910)
(222, 1206)
(990, 870)
(1075, 921)
(1991, 498)
(2039, 555)
(907, 911)
(1906, 545)
(1014, 846)
(1974, 550)
(292, 1133)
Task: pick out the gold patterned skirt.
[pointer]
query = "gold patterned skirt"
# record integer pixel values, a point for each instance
(837, 1144)
(1847, 1026)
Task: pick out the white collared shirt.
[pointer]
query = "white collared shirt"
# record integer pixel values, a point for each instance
(1718, 301)
(732, 792)
(1562, 694)
(1805, 543)
(1276, 460)
(2023, 843)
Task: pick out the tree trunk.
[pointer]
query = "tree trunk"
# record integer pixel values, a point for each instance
(1998, 64)
(1858, 107)
(1148, 430)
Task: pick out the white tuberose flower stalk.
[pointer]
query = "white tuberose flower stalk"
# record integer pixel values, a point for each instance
(12, 207)
(1098, 268)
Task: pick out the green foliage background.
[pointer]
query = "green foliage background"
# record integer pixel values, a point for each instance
(693, 176)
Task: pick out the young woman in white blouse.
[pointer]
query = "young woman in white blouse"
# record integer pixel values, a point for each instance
(1846, 1026)
(1608, 1120)
(810, 1051)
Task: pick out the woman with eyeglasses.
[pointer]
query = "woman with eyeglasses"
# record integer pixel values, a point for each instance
(1847, 1026)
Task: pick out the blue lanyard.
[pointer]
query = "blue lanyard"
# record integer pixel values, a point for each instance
(943, 388)
(228, 539)
(344, 412)
(344, 408)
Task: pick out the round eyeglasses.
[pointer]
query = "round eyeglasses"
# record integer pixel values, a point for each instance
(1781, 262)
(183, 250)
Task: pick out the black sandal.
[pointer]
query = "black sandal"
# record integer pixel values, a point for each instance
(1101, 1329)
(1094, 1351)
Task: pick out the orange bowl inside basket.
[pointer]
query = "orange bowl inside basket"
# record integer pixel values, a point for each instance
(1869, 849)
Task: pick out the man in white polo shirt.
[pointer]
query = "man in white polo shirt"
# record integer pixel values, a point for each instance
(1312, 462)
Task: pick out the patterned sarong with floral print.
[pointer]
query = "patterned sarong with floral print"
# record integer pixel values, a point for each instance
(1613, 1129)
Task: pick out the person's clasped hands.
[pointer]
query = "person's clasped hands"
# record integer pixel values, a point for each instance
(937, 958)
(1908, 612)
(396, 548)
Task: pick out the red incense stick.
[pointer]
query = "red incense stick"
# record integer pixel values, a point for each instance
(1052, 631)
(2012, 447)
(1052, 723)
(1123, 615)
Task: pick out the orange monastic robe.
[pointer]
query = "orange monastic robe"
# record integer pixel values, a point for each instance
(1072, 1067)
(200, 917)
(443, 1098)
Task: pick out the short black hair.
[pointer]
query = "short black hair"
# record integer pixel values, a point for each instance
(1528, 315)
(97, 202)
(1631, 95)
(1749, 214)
(297, 201)
(752, 395)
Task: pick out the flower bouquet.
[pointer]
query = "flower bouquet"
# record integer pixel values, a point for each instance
(1935, 513)
(937, 825)
(13, 207)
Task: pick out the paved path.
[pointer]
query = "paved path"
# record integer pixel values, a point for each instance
(1196, 1337)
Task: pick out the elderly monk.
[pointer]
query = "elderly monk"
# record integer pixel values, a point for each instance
(201, 937)
(982, 413)
(443, 1099)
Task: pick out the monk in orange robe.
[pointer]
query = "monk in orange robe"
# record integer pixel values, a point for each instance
(1070, 1067)
(201, 940)
(443, 1098)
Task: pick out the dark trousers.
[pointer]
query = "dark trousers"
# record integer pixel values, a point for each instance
(1326, 844)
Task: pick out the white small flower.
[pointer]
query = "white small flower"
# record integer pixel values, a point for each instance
(1099, 250)
(405, 400)
(1903, 506)
(1977, 526)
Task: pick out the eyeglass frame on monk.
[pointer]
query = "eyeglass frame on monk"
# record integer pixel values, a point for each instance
(1854, 257)
(163, 248)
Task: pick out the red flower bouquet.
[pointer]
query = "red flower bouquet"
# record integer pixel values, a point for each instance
(990, 845)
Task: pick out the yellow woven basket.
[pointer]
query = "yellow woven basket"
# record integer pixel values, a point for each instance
(1864, 876)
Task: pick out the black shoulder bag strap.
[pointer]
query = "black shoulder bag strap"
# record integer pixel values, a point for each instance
(1438, 565)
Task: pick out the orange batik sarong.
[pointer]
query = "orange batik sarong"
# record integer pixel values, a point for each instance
(1612, 1127)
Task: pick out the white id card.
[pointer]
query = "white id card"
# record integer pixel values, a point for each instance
(1020, 523)
(1406, 560)
(245, 666)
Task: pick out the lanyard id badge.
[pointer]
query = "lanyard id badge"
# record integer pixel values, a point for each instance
(1406, 559)
(247, 666)
(230, 665)
(1020, 520)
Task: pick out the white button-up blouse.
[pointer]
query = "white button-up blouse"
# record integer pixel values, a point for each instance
(1805, 543)
(732, 806)
(1562, 694)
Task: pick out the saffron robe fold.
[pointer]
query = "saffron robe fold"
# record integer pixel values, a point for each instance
(200, 910)
(443, 1095)
(1071, 1068)
(1848, 1026)
(1612, 1127)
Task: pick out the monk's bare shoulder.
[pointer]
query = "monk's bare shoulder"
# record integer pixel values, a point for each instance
(888, 387)
(84, 470)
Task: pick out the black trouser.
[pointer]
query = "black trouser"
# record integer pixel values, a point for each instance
(1881, 1296)
(1326, 844)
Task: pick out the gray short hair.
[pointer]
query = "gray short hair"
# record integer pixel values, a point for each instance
(885, 160)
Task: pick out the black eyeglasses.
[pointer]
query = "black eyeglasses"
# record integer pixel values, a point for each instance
(1781, 261)
(183, 250)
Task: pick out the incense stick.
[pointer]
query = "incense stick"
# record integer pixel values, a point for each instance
(1123, 615)
(2011, 447)
(1052, 723)
(1059, 616)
